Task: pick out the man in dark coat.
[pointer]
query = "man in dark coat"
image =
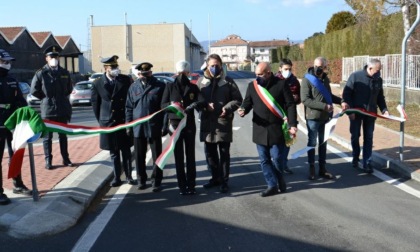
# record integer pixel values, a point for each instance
(222, 98)
(144, 98)
(267, 127)
(52, 85)
(11, 98)
(109, 94)
(187, 94)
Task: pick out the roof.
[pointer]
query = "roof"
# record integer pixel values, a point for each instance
(11, 33)
(230, 40)
(63, 40)
(269, 43)
(40, 37)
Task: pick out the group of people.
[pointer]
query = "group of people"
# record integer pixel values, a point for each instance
(273, 98)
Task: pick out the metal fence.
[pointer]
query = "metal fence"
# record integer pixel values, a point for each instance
(391, 69)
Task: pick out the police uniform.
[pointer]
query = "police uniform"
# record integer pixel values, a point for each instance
(11, 98)
(53, 85)
(144, 98)
(108, 102)
(185, 93)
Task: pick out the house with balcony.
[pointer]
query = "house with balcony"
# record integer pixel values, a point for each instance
(233, 50)
(260, 50)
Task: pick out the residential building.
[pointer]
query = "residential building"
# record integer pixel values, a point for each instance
(233, 50)
(260, 50)
(160, 44)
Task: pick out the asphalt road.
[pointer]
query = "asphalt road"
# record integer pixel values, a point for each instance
(354, 212)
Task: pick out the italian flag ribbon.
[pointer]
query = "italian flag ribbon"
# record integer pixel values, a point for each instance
(28, 127)
(330, 126)
(276, 109)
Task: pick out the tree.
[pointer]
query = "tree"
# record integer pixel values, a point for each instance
(366, 11)
(316, 34)
(340, 20)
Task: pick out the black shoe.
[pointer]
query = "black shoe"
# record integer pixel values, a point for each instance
(22, 190)
(48, 165)
(368, 168)
(211, 184)
(4, 200)
(116, 183)
(67, 162)
(326, 175)
(156, 188)
(191, 191)
(183, 192)
(282, 184)
(131, 181)
(287, 171)
(269, 192)
(355, 163)
(142, 186)
(224, 188)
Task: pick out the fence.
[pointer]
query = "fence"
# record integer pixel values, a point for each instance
(391, 69)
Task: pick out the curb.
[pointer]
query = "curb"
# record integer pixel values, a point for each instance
(61, 207)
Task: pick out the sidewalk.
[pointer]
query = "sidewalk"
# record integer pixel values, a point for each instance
(66, 192)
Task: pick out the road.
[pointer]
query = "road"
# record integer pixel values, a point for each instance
(354, 212)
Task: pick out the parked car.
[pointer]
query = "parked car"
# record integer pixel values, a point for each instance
(167, 74)
(165, 79)
(32, 100)
(94, 76)
(81, 93)
(25, 89)
(193, 77)
(199, 72)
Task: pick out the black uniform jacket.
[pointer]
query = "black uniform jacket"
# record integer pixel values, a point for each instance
(185, 93)
(143, 100)
(267, 128)
(53, 89)
(109, 109)
(11, 98)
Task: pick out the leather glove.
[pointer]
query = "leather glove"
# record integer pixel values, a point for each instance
(191, 107)
(165, 131)
(130, 132)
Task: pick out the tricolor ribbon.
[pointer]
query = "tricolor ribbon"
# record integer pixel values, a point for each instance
(330, 126)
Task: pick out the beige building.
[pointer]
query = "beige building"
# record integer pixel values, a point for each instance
(233, 50)
(260, 50)
(160, 44)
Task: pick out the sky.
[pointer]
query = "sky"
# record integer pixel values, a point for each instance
(252, 20)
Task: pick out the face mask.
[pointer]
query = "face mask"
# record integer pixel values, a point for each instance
(286, 74)
(6, 66)
(318, 70)
(114, 72)
(53, 62)
(261, 81)
(377, 75)
(215, 70)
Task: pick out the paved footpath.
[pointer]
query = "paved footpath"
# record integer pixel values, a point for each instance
(66, 192)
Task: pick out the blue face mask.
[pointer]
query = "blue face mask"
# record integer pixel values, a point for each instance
(215, 70)
(377, 75)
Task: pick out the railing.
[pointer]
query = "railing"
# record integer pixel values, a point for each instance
(391, 69)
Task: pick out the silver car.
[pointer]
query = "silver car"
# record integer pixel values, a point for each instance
(81, 93)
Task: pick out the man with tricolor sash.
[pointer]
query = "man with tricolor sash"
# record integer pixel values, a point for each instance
(364, 90)
(318, 100)
(269, 97)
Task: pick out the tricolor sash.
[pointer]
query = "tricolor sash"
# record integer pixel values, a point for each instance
(276, 109)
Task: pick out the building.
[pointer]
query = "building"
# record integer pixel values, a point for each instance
(260, 50)
(233, 50)
(28, 49)
(160, 44)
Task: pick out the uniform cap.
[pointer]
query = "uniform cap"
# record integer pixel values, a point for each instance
(144, 67)
(6, 56)
(110, 61)
(52, 51)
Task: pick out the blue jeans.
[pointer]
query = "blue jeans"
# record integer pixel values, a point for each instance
(316, 130)
(271, 162)
(368, 124)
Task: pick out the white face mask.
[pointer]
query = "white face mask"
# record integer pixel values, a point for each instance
(53, 62)
(114, 72)
(286, 74)
(6, 66)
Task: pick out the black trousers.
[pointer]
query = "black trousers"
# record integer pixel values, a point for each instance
(140, 150)
(187, 138)
(116, 155)
(6, 135)
(218, 158)
(47, 142)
